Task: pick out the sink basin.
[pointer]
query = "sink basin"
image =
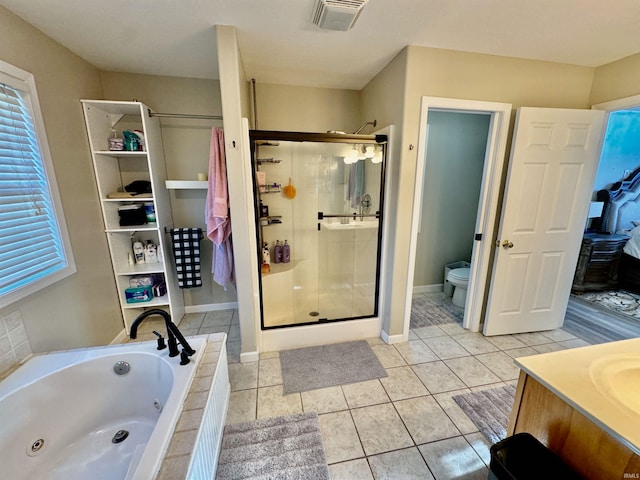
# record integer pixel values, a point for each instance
(617, 377)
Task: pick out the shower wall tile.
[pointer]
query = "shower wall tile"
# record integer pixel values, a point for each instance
(14, 343)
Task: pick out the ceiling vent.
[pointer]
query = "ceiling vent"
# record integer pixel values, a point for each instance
(337, 14)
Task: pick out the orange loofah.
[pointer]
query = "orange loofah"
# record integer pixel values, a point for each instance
(289, 190)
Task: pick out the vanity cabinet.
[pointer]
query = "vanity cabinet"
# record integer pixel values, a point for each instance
(597, 267)
(576, 439)
(113, 171)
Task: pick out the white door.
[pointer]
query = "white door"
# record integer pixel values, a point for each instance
(554, 159)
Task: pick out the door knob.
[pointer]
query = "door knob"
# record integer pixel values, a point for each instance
(507, 244)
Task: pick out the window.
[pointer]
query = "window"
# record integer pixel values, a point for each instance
(34, 246)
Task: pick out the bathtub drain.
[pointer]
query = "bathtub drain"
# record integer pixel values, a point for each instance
(120, 436)
(37, 445)
(121, 367)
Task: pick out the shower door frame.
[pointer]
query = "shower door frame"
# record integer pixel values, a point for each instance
(284, 136)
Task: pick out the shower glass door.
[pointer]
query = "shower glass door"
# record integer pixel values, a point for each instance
(331, 225)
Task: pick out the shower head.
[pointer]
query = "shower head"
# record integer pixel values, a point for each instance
(362, 127)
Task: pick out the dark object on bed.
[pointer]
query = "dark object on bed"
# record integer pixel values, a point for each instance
(629, 273)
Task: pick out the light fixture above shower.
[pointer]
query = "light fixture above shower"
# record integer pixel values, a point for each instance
(352, 156)
(338, 15)
(369, 151)
(363, 152)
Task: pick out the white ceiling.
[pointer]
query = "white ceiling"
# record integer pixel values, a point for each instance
(279, 44)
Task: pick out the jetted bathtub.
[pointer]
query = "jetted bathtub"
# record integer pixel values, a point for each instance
(76, 415)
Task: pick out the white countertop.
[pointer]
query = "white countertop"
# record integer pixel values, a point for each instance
(601, 381)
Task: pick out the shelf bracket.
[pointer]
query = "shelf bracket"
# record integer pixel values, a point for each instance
(115, 118)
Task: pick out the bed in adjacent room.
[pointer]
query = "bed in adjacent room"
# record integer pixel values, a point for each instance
(621, 216)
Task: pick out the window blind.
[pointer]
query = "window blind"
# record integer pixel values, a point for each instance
(30, 244)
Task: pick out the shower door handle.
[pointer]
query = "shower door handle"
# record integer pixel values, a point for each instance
(322, 215)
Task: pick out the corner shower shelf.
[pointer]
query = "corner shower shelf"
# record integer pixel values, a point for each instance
(262, 161)
(273, 188)
(273, 220)
(280, 268)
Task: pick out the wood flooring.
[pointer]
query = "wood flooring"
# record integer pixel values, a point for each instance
(595, 324)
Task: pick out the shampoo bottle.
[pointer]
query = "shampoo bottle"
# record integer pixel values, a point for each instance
(277, 252)
(286, 252)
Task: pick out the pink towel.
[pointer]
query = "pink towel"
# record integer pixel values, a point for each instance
(217, 212)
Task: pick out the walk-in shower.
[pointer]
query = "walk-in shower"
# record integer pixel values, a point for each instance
(330, 221)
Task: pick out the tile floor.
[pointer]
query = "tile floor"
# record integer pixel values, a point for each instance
(403, 426)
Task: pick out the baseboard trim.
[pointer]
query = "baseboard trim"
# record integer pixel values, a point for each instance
(210, 307)
(120, 338)
(319, 334)
(249, 357)
(391, 339)
(427, 288)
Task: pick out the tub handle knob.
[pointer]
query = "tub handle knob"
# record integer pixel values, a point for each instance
(161, 344)
(184, 357)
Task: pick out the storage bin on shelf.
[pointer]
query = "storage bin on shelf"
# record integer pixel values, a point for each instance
(139, 294)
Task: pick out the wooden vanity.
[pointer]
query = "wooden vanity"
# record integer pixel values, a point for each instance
(558, 402)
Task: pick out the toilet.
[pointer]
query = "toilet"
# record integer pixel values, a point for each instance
(459, 278)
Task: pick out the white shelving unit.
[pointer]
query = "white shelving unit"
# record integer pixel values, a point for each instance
(116, 169)
(186, 184)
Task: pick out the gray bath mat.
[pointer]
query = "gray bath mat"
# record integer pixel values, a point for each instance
(489, 410)
(288, 447)
(309, 368)
(434, 309)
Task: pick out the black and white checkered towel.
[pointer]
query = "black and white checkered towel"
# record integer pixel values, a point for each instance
(186, 252)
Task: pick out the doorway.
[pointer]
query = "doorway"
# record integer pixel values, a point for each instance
(497, 117)
(610, 300)
(454, 162)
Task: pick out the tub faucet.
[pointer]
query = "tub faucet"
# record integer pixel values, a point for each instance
(173, 334)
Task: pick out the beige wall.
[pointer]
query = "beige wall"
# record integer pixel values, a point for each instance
(235, 100)
(82, 309)
(616, 80)
(446, 73)
(186, 147)
(383, 99)
(307, 109)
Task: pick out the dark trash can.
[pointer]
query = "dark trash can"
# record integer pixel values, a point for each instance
(523, 457)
